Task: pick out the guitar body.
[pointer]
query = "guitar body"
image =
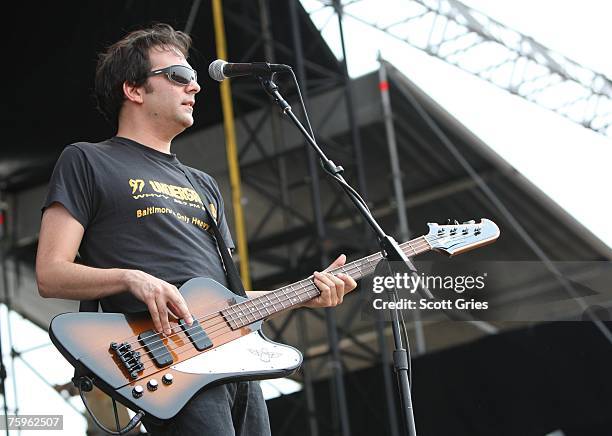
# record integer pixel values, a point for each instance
(243, 353)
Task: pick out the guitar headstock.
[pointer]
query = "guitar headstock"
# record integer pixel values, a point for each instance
(456, 238)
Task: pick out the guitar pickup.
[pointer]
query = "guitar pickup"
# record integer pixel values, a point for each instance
(196, 335)
(153, 343)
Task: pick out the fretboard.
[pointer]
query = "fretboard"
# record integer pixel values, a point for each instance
(292, 295)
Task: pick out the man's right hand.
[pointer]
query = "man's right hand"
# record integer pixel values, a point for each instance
(58, 276)
(161, 298)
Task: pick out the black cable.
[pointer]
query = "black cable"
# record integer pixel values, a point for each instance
(405, 332)
(340, 180)
(403, 327)
(117, 424)
(85, 385)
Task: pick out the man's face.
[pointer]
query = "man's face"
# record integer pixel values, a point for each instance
(165, 101)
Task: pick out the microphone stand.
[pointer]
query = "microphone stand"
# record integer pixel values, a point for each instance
(389, 249)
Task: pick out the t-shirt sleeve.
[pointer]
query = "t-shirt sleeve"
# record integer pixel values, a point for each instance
(72, 184)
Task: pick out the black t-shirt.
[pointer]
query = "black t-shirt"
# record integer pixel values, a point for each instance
(140, 212)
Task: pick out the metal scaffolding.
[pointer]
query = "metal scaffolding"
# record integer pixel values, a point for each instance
(480, 45)
(308, 247)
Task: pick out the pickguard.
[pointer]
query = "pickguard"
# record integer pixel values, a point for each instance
(248, 353)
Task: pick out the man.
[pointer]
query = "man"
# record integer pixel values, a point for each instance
(127, 207)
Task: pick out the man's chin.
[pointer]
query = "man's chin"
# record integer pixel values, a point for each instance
(186, 122)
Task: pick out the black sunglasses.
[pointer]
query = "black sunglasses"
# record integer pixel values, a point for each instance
(177, 73)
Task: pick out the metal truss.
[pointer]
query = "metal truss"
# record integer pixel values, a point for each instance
(301, 244)
(474, 42)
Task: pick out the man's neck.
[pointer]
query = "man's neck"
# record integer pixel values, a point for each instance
(148, 139)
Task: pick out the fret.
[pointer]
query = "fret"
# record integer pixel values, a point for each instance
(230, 316)
(251, 312)
(293, 299)
(360, 270)
(285, 294)
(267, 303)
(295, 293)
(292, 290)
(257, 307)
(276, 294)
(420, 250)
(411, 248)
(242, 314)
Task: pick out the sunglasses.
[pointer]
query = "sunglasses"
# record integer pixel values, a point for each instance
(179, 74)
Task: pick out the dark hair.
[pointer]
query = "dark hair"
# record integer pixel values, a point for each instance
(128, 61)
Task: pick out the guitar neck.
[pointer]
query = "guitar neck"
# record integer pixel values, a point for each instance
(299, 292)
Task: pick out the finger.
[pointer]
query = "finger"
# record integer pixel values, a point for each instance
(325, 296)
(154, 315)
(163, 315)
(327, 287)
(349, 282)
(340, 260)
(180, 305)
(172, 311)
(339, 286)
(327, 278)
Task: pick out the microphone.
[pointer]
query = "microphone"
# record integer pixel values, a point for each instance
(220, 70)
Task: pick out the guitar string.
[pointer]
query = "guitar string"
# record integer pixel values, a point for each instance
(303, 283)
(185, 350)
(305, 287)
(302, 290)
(350, 268)
(223, 323)
(209, 329)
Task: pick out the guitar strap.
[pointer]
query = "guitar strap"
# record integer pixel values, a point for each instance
(231, 272)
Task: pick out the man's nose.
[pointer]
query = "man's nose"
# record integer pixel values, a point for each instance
(193, 87)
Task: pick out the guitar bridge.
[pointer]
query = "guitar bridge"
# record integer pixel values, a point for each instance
(129, 358)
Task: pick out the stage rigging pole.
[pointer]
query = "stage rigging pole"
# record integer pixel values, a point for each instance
(8, 305)
(269, 55)
(396, 173)
(232, 152)
(335, 360)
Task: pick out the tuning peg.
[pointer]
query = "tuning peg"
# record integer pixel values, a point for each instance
(448, 221)
(456, 222)
(470, 222)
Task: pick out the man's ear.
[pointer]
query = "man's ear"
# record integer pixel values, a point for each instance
(132, 92)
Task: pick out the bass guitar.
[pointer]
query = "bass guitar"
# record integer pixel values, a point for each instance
(158, 374)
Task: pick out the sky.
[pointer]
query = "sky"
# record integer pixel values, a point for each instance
(569, 163)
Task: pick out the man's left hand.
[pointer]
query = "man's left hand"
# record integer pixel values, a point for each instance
(333, 287)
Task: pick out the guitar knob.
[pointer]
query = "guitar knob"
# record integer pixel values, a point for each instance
(137, 391)
(167, 379)
(152, 385)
